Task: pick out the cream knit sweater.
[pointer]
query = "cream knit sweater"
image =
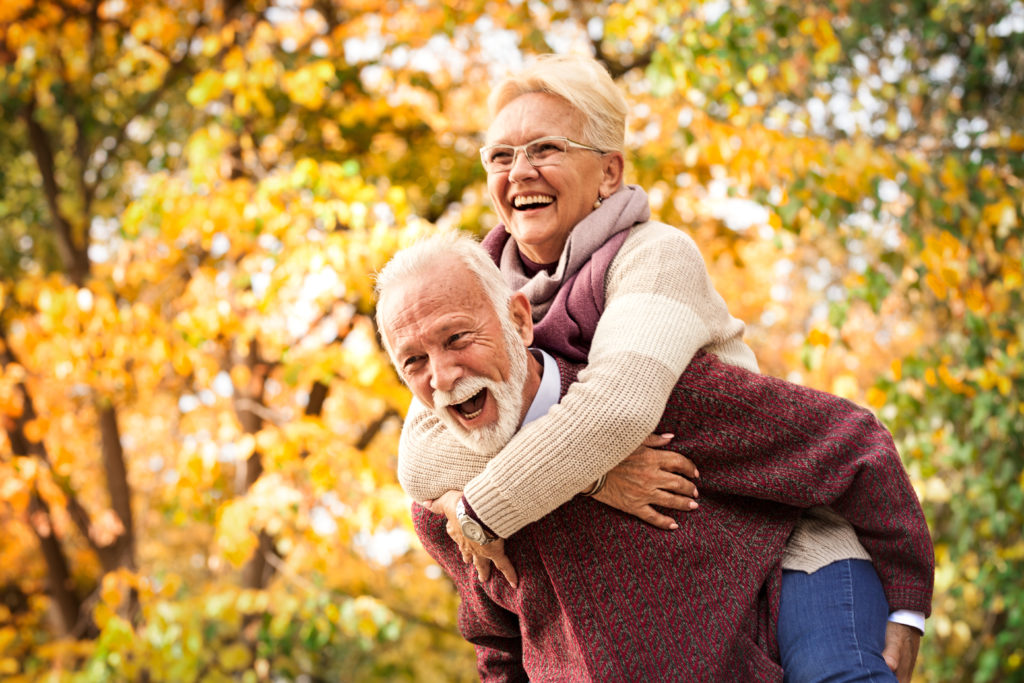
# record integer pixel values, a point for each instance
(661, 307)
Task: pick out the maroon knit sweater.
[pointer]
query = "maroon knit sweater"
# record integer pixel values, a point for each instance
(605, 597)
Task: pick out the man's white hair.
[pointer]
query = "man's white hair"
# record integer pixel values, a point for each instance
(424, 255)
(446, 250)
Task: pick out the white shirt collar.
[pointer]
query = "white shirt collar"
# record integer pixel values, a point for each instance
(549, 391)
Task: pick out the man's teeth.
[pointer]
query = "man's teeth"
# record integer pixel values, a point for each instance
(525, 200)
(472, 406)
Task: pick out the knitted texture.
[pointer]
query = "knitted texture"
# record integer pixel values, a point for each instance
(661, 307)
(566, 311)
(762, 437)
(603, 596)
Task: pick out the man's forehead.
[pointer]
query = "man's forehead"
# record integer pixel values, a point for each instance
(446, 274)
(438, 297)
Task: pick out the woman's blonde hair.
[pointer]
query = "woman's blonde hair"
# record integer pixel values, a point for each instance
(581, 81)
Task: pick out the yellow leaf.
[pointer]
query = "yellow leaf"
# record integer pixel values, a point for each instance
(757, 74)
(845, 385)
(819, 337)
(234, 535)
(35, 430)
(876, 398)
(235, 657)
(207, 87)
(111, 590)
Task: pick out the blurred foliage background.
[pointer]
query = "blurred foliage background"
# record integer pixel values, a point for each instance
(199, 428)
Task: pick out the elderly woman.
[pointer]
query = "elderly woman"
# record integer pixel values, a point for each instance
(573, 234)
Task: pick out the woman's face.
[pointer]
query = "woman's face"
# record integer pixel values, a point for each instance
(551, 199)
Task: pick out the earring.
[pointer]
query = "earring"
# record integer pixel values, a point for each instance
(597, 202)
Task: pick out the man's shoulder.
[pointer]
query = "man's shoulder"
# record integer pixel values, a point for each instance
(705, 365)
(568, 372)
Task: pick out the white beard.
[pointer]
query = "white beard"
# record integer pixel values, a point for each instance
(507, 395)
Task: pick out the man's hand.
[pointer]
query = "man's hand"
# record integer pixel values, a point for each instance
(900, 653)
(480, 555)
(651, 477)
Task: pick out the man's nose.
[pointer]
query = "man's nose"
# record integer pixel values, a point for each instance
(444, 374)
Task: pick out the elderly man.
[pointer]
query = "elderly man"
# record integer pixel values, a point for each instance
(601, 595)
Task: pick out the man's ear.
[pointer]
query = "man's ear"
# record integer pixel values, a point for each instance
(521, 313)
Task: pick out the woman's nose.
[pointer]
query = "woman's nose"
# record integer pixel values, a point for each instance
(521, 166)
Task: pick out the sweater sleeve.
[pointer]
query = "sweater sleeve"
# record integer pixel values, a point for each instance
(493, 630)
(430, 459)
(661, 307)
(765, 438)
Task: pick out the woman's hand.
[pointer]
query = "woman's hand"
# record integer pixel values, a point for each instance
(482, 556)
(648, 477)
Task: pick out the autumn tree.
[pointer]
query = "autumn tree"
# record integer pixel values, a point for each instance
(199, 428)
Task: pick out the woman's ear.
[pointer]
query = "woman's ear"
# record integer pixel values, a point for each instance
(521, 313)
(612, 173)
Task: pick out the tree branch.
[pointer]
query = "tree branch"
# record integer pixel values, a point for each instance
(22, 446)
(74, 256)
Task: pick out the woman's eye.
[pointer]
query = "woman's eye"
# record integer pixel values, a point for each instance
(458, 336)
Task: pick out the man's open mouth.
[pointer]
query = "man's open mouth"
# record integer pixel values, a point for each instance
(531, 201)
(472, 407)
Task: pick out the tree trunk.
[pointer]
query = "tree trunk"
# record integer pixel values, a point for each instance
(117, 485)
(69, 607)
(257, 570)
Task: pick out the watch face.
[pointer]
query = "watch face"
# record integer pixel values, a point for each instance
(473, 531)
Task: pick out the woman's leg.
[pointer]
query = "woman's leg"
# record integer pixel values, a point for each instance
(832, 624)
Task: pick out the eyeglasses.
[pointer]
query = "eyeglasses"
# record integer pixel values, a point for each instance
(546, 151)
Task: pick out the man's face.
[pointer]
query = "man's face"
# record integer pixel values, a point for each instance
(457, 355)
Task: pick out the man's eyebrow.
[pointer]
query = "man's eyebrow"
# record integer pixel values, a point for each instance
(402, 350)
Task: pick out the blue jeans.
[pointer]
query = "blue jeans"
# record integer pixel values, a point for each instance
(832, 624)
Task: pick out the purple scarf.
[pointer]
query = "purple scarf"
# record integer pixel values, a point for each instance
(568, 303)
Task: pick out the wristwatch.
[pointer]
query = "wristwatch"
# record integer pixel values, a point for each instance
(472, 529)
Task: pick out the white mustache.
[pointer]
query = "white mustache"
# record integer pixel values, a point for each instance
(464, 389)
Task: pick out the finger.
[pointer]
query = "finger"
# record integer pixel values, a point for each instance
(679, 485)
(674, 502)
(432, 506)
(655, 518)
(658, 440)
(483, 567)
(680, 464)
(891, 658)
(504, 566)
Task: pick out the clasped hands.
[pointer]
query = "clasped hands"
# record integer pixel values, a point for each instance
(647, 477)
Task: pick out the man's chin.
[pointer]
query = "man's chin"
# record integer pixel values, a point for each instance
(483, 440)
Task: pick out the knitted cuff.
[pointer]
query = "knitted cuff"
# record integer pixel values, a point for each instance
(469, 511)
